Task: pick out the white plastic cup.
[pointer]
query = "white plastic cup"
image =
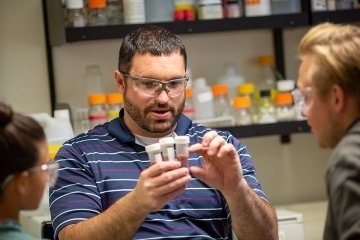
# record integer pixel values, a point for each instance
(182, 152)
(154, 153)
(168, 150)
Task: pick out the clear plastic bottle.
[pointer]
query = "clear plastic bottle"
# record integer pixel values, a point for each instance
(134, 11)
(97, 109)
(248, 90)
(285, 110)
(242, 112)
(257, 8)
(115, 102)
(189, 109)
(266, 108)
(203, 99)
(115, 12)
(97, 12)
(221, 100)
(231, 78)
(93, 79)
(75, 13)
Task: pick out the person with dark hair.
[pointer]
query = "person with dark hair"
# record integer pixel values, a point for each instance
(107, 187)
(24, 170)
(329, 95)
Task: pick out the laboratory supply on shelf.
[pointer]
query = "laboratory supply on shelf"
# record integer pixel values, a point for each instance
(221, 101)
(93, 80)
(97, 109)
(285, 6)
(285, 110)
(203, 99)
(286, 85)
(75, 16)
(257, 8)
(114, 12)
(233, 9)
(97, 12)
(182, 152)
(242, 110)
(184, 10)
(248, 90)
(318, 5)
(115, 102)
(231, 78)
(159, 11)
(154, 152)
(209, 9)
(168, 150)
(266, 108)
(268, 74)
(134, 11)
(81, 119)
(189, 109)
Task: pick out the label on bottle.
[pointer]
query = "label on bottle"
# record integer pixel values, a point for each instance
(205, 97)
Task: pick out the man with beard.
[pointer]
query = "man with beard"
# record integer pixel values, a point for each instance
(107, 188)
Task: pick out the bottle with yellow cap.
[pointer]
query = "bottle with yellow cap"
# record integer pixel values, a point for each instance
(97, 109)
(115, 101)
(221, 100)
(285, 110)
(248, 90)
(242, 110)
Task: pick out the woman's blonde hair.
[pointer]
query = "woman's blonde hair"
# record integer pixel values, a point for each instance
(335, 49)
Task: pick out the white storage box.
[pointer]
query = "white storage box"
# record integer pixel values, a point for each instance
(291, 225)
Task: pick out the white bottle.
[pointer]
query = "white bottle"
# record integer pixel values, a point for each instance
(232, 79)
(134, 11)
(203, 99)
(257, 8)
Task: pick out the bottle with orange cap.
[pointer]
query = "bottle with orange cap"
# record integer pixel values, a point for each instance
(189, 109)
(115, 101)
(285, 110)
(248, 90)
(268, 74)
(242, 112)
(97, 12)
(221, 100)
(97, 109)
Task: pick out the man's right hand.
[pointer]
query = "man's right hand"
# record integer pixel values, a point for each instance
(160, 183)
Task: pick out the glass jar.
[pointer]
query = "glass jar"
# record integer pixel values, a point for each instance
(266, 108)
(97, 12)
(115, 102)
(285, 110)
(114, 12)
(242, 112)
(221, 100)
(75, 13)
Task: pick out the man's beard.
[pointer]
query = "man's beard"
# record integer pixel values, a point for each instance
(139, 116)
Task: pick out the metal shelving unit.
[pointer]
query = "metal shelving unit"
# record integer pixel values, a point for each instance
(57, 34)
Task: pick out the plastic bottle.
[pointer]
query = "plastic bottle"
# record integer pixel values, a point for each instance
(210, 9)
(203, 99)
(184, 10)
(266, 108)
(233, 9)
(285, 6)
(168, 150)
(115, 12)
(248, 90)
(268, 74)
(189, 109)
(221, 100)
(75, 13)
(154, 153)
(97, 109)
(97, 12)
(285, 110)
(231, 78)
(159, 11)
(182, 153)
(134, 11)
(114, 102)
(93, 79)
(242, 110)
(257, 8)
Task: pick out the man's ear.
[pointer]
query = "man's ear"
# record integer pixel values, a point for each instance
(120, 82)
(338, 98)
